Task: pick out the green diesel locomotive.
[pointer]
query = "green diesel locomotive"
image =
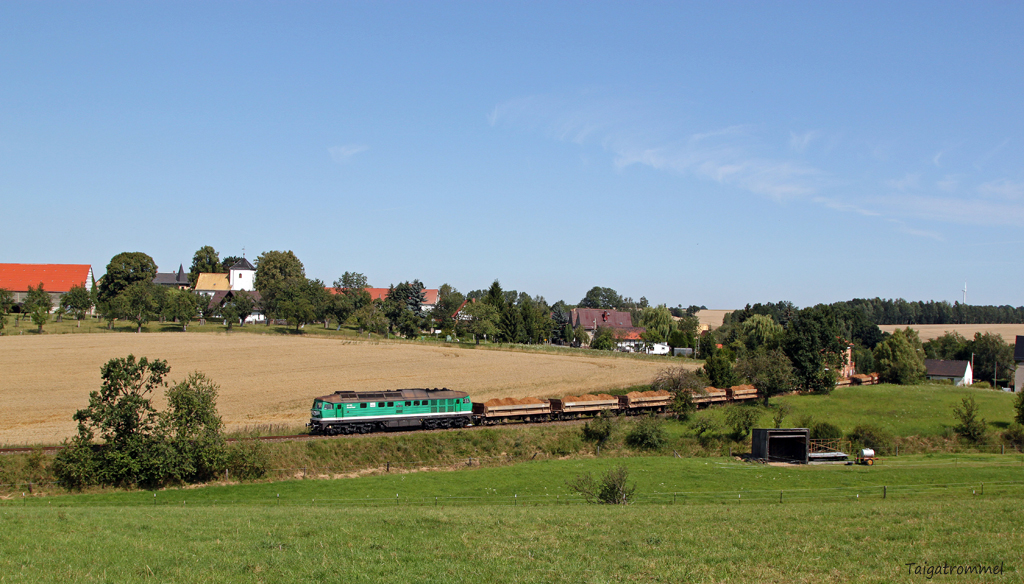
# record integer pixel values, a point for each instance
(348, 412)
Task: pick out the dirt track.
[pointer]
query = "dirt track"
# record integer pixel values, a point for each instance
(266, 379)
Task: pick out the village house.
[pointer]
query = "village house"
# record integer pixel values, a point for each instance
(959, 372)
(240, 276)
(620, 321)
(177, 279)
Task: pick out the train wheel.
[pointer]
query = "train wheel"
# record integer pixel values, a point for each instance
(364, 428)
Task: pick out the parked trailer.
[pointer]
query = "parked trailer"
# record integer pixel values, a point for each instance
(571, 407)
(504, 410)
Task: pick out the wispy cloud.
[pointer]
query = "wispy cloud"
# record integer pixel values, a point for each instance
(984, 158)
(910, 181)
(744, 157)
(343, 153)
(974, 211)
(1002, 189)
(799, 142)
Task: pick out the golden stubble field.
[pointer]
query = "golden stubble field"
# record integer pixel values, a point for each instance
(928, 332)
(266, 379)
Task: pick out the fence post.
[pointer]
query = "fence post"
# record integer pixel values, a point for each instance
(515, 500)
(396, 498)
(982, 488)
(303, 473)
(885, 491)
(279, 498)
(780, 496)
(388, 467)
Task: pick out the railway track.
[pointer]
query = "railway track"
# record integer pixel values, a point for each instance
(300, 437)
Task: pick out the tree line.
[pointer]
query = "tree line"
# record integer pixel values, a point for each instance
(898, 311)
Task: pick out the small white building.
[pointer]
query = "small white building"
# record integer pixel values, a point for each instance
(959, 372)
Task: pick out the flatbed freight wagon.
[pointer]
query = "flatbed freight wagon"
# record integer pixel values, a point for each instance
(571, 407)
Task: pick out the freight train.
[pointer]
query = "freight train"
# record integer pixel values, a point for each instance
(348, 412)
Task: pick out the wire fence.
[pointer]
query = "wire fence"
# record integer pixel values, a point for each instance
(722, 497)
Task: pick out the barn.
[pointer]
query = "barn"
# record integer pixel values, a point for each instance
(55, 278)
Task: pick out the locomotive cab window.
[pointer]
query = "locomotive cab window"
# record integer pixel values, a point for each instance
(362, 405)
(416, 403)
(391, 404)
(408, 403)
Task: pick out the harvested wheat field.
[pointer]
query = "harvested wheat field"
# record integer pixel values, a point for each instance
(712, 318)
(928, 332)
(266, 379)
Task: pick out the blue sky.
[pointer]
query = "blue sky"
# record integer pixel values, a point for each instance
(693, 153)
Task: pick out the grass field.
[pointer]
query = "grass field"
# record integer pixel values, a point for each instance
(272, 379)
(928, 332)
(352, 530)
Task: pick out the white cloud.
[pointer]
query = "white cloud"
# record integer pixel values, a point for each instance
(969, 211)
(343, 153)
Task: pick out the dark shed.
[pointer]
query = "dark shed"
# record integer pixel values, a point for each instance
(781, 444)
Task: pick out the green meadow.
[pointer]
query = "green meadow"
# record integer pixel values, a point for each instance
(725, 524)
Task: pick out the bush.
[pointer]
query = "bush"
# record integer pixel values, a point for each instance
(825, 431)
(1014, 436)
(647, 433)
(969, 425)
(981, 385)
(742, 419)
(598, 430)
(612, 489)
(705, 428)
(781, 411)
(1018, 407)
(870, 436)
(247, 459)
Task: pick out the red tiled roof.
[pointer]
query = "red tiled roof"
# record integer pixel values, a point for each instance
(55, 277)
(589, 317)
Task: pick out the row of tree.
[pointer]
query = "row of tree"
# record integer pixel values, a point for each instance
(881, 311)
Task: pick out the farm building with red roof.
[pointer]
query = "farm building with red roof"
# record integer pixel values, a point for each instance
(55, 278)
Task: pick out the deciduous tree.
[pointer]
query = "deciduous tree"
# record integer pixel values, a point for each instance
(77, 302)
(900, 359)
(206, 260)
(124, 270)
(768, 370)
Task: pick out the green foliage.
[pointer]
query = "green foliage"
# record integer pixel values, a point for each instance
(1014, 435)
(825, 431)
(371, 318)
(77, 301)
(760, 331)
(612, 489)
(779, 416)
(770, 371)
(139, 303)
(247, 459)
(124, 270)
(182, 305)
(206, 260)
(683, 383)
(604, 339)
(137, 446)
(705, 427)
(193, 429)
(38, 304)
(598, 430)
(812, 343)
(598, 297)
(969, 424)
(718, 368)
(871, 436)
(301, 301)
(6, 301)
(900, 358)
(278, 275)
(742, 418)
(237, 307)
(1018, 408)
(864, 360)
(648, 433)
(483, 320)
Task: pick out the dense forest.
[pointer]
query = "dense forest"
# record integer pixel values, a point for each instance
(901, 312)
